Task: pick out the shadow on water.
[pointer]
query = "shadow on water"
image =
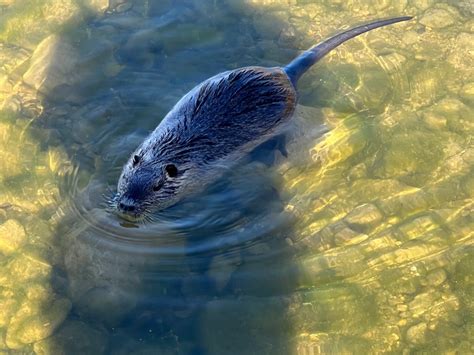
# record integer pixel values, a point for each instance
(204, 278)
(222, 272)
(198, 282)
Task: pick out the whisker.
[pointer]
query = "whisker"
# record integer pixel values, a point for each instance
(111, 203)
(147, 215)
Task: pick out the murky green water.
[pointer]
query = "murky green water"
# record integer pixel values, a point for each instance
(361, 241)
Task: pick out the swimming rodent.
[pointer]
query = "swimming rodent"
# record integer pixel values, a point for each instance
(212, 126)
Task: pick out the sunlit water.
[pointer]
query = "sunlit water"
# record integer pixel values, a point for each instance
(360, 241)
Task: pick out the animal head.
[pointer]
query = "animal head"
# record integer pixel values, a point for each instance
(151, 181)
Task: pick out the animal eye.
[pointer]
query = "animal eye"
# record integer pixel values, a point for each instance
(171, 170)
(136, 160)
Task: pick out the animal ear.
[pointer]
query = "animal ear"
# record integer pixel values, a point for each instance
(136, 160)
(171, 170)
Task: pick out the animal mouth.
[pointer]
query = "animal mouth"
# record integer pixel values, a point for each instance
(130, 216)
(127, 211)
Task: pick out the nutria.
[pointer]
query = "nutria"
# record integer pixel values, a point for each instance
(213, 126)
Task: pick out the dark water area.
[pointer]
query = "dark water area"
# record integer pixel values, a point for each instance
(360, 241)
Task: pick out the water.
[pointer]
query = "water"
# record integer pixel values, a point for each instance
(361, 241)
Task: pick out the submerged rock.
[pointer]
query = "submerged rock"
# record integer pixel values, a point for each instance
(464, 283)
(105, 304)
(8, 307)
(330, 343)
(36, 321)
(12, 236)
(370, 189)
(11, 58)
(74, 337)
(422, 302)
(457, 114)
(418, 227)
(462, 54)
(372, 92)
(343, 308)
(3, 345)
(100, 281)
(437, 18)
(29, 266)
(364, 217)
(406, 203)
(417, 333)
(412, 156)
(436, 277)
(341, 143)
(38, 19)
(422, 4)
(52, 64)
(467, 93)
(97, 5)
(347, 236)
(221, 269)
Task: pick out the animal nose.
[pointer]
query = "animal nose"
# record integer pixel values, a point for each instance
(127, 208)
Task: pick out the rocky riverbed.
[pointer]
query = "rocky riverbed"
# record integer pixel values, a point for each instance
(368, 245)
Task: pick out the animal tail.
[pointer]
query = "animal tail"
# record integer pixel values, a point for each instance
(303, 62)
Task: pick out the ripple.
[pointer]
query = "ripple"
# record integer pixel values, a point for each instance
(233, 216)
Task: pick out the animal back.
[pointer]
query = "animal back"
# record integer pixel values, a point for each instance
(239, 108)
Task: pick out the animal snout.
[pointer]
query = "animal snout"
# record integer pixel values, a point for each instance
(126, 207)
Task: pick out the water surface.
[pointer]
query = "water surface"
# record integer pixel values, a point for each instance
(360, 241)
